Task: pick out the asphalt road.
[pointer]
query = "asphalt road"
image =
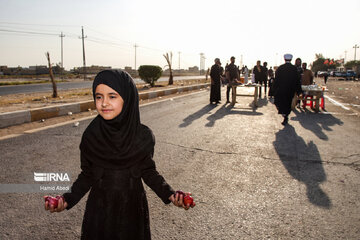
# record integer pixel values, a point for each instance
(46, 87)
(251, 177)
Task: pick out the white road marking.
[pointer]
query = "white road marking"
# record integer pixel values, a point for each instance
(336, 103)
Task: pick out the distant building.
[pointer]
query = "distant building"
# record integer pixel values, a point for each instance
(132, 72)
(194, 69)
(93, 69)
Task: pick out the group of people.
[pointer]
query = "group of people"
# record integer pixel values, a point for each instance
(283, 84)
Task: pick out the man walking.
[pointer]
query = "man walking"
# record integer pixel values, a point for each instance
(232, 74)
(215, 73)
(286, 84)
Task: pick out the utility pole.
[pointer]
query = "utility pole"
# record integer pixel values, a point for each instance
(201, 61)
(82, 37)
(345, 57)
(356, 46)
(135, 46)
(62, 56)
(179, 60)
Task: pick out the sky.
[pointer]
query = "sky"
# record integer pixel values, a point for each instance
(249, 30)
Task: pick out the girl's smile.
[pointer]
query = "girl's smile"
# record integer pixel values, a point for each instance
(108, 102)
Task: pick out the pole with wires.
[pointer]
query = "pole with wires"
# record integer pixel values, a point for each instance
(83, 45)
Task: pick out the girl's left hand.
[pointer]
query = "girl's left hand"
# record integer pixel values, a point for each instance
(177, 200)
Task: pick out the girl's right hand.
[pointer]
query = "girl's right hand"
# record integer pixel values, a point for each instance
(62, 204)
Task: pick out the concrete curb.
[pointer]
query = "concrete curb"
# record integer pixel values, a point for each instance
(25, 116)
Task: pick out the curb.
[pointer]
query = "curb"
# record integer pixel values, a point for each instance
(25, 116)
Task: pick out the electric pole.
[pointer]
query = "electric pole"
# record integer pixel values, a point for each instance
(62, 59)
(135, 46)
(356, 46)
(83, 44)
(201, 62)
(345, 57)
(179, 60)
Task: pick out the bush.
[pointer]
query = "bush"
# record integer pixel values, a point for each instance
(150, 73)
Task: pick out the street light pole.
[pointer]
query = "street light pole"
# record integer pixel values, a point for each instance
(356, 46)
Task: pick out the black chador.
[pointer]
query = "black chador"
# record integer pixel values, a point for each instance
(215, 72)
(115, 155)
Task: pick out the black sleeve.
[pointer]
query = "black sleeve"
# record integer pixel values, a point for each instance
(81, 185)
(155, 181)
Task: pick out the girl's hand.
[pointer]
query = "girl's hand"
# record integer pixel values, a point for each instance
(177, 200)
(60, 207)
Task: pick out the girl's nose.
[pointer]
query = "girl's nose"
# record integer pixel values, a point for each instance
(105, 102)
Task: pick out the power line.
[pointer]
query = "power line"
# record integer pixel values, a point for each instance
(28, 32)
(43, 25)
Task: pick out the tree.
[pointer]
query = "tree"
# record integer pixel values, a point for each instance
(51, 76)
(150, 73)
(323, 64)
(352, 64)
(169, 61)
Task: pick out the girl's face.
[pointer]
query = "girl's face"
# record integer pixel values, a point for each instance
(108, 102)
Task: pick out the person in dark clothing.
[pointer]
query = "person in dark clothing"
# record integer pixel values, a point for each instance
(286, 84)
(265, 75)
(215, 73)
(260, 75)
(271, 80)
(326, 75)
(300, 72)
(232, 74)
(116, 155)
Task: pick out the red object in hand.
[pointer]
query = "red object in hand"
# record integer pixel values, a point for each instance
(188, 200)
(180, 193)
(53, 201)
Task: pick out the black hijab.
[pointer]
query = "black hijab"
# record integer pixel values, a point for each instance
(123, 141)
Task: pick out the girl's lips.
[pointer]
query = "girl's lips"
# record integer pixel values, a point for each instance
(106, 110)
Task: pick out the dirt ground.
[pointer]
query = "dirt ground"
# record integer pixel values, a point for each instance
(347, 92)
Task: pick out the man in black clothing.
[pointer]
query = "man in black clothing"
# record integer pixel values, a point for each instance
(215, 74)
(265, 77)
(232, 74)
(286, 84)
(260, 75)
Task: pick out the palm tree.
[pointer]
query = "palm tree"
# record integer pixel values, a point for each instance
(168, 58)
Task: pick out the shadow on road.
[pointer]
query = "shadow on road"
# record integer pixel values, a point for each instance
(196, 115)
(307, 169)
(317, 123)
(228, 109)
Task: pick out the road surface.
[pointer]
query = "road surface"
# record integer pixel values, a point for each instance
(251, 177)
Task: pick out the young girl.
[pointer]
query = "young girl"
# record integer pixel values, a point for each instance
(116, 153)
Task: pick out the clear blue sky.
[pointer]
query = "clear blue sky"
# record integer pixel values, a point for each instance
(262, 29)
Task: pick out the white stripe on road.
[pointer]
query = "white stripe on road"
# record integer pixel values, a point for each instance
(336, 103)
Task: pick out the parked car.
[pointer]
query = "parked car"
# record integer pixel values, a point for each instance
(340, 74)
(322, 73)
(350, 74)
